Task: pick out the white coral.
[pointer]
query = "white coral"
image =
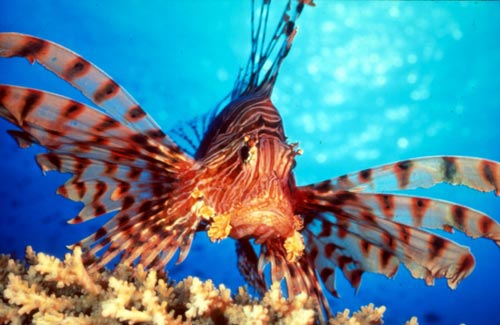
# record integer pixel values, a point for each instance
(51, 291)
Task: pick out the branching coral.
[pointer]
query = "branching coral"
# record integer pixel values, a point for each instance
(366, 316)
(50, 291)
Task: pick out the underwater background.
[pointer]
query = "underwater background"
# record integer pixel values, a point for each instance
(365, 83)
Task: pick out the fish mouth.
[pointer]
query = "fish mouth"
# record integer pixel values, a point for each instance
(264, 212)
(262, 225)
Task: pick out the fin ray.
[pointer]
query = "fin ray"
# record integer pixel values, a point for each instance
(479, 174)
(86, 77)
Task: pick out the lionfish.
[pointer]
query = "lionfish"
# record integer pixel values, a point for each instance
(238, 182)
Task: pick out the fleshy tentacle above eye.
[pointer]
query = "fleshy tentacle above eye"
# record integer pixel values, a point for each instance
(479, 174)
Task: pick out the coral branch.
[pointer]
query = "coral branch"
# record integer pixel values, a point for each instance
(51, 291)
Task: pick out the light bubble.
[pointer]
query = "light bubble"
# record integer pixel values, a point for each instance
(323, 122)
(398, 113)
(308, 123)
(433, 129)
(340, 74)
(321, 158)
(411, 78)
(366, 154)
(394, 11)
(380, 68)
(412, 58)
(456, 33)
(353, 63)
(328, 27)
(372, 133)
(374, 58)
(403, 143)
(340, 9)
(335, 98)
(349, 22)
(366, 68)
(325, 52)
(420, 94)
(312, 68)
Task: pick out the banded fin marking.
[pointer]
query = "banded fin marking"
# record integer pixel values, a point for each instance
(479, 174)
(86, 77)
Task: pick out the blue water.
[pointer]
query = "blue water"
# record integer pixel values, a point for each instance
(366, 83)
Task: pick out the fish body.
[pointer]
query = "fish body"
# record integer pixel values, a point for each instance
(239, 182)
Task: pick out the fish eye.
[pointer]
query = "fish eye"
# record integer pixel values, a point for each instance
(245, 153)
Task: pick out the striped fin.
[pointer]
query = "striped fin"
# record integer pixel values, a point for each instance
(247, 264)
(86, 77)
(142, 232)
(105, 186)
(268, 46)
(418, 212)
(360, 232)
(299, 276)
(479, 174)
(111, 163)
(114, 168)
(67, 126)
(431, 214)
(353, 244)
